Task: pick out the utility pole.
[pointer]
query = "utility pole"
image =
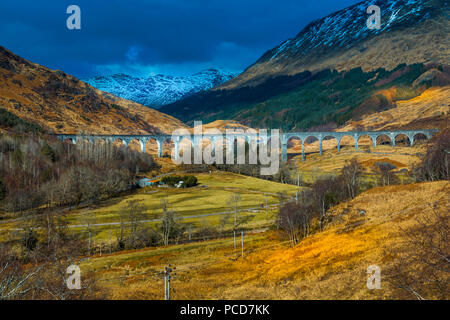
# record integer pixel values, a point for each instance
(235, 214)
(167, 276)
(267, 208)
(165, 284)
(110, 243)
(242, 243)
(234, 237)
(168, 286)
(89, 238)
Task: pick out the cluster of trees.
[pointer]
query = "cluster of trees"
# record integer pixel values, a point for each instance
(37, 171)
(285, 174)
(188, 180)
(384, 171)
(10, 120)
(435, 163)
(26, 278)
(309, 213)
(35, 265)
(134, 234)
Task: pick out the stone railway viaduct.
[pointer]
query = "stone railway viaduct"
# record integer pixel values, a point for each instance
(412, 136)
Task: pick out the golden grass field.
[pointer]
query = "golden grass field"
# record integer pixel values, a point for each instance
(214, 190)
(432, 103)
(327, 265)
(331, 161)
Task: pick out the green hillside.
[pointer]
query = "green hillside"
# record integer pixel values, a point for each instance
(306, 100)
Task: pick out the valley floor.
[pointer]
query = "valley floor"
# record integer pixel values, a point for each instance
(328, 265)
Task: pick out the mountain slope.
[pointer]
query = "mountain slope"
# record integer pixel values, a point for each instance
(412, 31)
(60, 103)
(327, 99)
(427, 111)
(159, 90)
(335, 70)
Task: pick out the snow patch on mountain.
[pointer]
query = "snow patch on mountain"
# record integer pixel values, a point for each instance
(156, 91)
(345, 27)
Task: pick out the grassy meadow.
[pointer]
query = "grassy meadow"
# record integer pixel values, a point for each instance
(199, 206)
(328, 265)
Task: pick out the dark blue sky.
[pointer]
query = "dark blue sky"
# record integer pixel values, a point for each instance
(155, 36)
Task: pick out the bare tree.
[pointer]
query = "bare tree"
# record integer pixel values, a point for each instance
(350, 174)
(14, 278)
(131, 225)
(385, 175)
(295, 220)
(325, 193)
(170, 228)
(435, 163)
(41, 275)
(421, 269)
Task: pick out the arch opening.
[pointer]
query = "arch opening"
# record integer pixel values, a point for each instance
(186, 149)
(69, 140)
(365, 142)
(384, 140)
(167, 146)
(329, 143)
(420, 138)
(346, 141)
(294, 146)
(120, 142)
(151, 146)
(135, 145)
(311, 144)
(402, 140)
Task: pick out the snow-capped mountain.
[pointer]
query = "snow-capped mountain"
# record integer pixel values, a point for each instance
(334, 69)
(412, 31)
(348, 26)
(156, 91)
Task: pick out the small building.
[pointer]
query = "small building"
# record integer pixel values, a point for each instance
(145, 182)
(179, 184)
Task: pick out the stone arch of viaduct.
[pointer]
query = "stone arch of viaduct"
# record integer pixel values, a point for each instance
(249, 137)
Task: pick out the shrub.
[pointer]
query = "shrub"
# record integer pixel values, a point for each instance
(295, 220)
(188, 181)
(385, 175)
(29, 239)
(435, 163)
(2, 189)
(48, 152)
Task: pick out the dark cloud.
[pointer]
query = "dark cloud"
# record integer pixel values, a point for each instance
(141, 36)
